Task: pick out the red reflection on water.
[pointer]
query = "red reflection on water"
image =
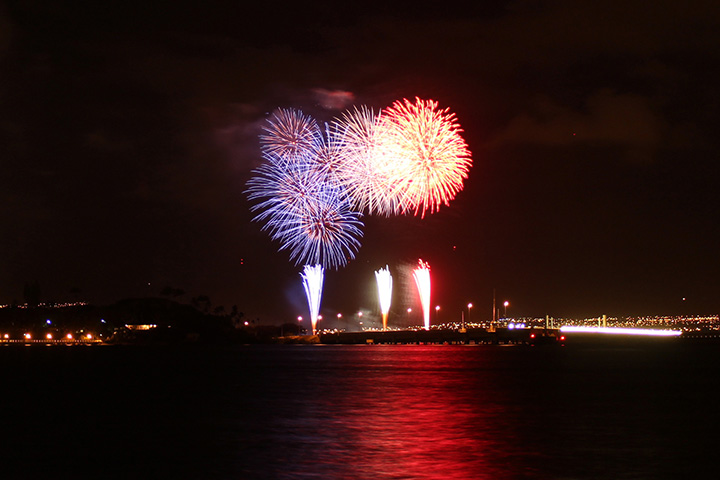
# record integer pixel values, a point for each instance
(416, 412)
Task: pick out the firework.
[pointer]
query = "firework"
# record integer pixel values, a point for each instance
(384, 283)
(280, 188)
(328, 154)
(300, 201)
(430, 158)
(422, 280)
(316, 182)
(289, 133)
(312, 277)
(324, 231)
(367, 170)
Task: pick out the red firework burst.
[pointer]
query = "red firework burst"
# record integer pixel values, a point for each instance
(431, 159)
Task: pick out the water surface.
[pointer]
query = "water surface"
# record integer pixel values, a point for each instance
(359, 412)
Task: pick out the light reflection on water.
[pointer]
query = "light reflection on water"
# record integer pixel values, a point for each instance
(373, 414)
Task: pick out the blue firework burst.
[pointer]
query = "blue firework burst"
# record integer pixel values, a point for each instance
(301, 203)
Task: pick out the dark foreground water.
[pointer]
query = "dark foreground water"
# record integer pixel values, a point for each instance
(360, 412)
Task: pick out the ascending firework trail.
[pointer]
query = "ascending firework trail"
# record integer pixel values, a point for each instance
(422, 280)
(384, 283)
(313, 283)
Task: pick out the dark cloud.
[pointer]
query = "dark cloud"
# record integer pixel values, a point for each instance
(608, 119)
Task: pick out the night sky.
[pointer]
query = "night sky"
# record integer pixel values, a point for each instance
(129, 129)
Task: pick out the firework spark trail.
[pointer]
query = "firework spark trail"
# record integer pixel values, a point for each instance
(422, 280)
(312, 278)
(384, 283)
(431, 157)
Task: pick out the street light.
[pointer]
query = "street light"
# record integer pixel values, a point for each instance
(506, 305)
(469, 307)
(437, 309)
(299, 325)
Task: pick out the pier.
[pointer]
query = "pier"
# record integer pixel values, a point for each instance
(529, 336)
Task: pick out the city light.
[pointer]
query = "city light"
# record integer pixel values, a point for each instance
(621, 331)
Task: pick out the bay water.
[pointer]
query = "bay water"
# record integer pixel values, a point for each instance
(360, 412)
